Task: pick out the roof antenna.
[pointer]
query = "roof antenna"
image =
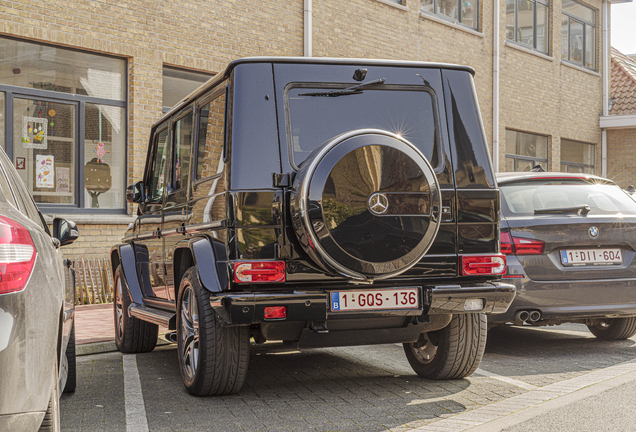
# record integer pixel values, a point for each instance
(537, 168)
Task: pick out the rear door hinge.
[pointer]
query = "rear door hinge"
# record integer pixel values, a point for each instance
(281, 180)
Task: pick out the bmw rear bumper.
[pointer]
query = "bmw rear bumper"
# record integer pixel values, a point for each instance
(573, 300)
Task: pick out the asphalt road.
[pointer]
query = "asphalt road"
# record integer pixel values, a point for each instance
(530, 379)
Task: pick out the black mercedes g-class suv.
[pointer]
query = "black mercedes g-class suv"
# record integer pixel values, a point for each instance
(321, 202)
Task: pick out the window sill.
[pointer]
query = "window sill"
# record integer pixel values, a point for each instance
(395, 5)
(452, 24)
(581, 68)
(93, 219)
(528, 50)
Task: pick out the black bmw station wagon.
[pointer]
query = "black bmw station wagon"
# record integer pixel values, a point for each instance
(321, 202)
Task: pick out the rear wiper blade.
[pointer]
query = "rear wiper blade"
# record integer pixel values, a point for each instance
(580, 210)
(356, 89)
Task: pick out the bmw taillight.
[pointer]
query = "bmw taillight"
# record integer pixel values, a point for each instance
(483, 265)
(520, 246)
(259, 271)
(17, 256)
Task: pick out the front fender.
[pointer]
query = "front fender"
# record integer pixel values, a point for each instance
(125, 256)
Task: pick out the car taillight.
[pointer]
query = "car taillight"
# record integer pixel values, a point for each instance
(482, 265)
(259, 271)
(520, 246)
(17, 256)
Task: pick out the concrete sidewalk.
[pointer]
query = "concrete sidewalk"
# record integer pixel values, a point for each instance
(95, 329)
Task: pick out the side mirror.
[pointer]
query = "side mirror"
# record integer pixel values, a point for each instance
(134, 192)
(65, 231)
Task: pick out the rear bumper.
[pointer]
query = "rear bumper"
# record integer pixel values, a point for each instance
(573, 300)
(248, 308)
(23, 422)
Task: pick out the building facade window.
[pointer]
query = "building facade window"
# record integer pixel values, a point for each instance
(577, 157)
(65, 120)
(527, 23)
(464, 12)
(178, 83)
(525, 150)
(578, 34)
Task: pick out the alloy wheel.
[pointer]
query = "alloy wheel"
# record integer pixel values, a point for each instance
(119, 310)
(424, 349)
(189, 334)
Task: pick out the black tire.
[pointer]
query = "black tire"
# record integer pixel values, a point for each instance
(614, 328)
(132, 335)
(450, 353)
(215, 363)
(51, 421)
(71, 379)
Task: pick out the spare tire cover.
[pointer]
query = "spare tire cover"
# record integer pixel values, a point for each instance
(362, 205)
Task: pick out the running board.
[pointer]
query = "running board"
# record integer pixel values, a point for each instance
(155, 316)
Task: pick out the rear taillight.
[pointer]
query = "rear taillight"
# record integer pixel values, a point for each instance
(520, 246)
(17, 256)
(482, 265)
(259, 271)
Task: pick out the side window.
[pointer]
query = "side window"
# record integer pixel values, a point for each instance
(182, 141)
(157, 181)
(5, 189)
(211, 132)
(23, 200)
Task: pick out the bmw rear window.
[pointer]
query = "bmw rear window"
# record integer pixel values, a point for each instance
(526, 197)
(313, 118)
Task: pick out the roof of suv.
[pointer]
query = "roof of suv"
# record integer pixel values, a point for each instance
(512, 177)
(212, 82)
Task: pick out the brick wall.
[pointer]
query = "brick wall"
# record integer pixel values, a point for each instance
(538, 93)
(621, 156)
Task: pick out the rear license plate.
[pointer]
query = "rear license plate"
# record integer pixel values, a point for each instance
(403, 298)
(591, 257)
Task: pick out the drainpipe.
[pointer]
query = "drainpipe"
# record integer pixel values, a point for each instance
(308, 28)
(606, 78)
(495, 87)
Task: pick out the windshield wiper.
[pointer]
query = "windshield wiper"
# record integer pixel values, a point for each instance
(356, 89)
(579, 210)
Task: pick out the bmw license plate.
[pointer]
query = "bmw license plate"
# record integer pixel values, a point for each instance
(591, 257)
(385, 299)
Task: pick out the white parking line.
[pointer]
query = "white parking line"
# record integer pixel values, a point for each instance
(135, 408)
(509, 380)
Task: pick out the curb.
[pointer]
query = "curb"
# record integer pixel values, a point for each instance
(107, 346)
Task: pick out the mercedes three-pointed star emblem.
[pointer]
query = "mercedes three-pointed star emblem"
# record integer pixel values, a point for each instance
(378, 203)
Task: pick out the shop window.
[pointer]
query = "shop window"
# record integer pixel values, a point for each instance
(527, 23)
(178, 83)
(464, 12)
(66, 113)
(578, 34)
(577, 157)
(525, 150)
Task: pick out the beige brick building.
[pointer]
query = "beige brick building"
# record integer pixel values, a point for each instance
(96, 75)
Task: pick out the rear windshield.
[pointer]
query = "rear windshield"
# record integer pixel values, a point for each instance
(313, 120)
(525, 198)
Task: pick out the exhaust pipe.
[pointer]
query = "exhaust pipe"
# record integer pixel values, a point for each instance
(534, 316)
(171, 337)
(521, 317)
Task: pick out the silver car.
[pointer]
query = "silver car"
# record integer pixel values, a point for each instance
(37, 291)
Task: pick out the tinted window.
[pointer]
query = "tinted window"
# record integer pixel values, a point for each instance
(525, 198)
(210, 145)
(23, 199)
(182, 142)
(314, 119)
(157, 182)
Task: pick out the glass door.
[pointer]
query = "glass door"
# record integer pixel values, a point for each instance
(44, 148)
